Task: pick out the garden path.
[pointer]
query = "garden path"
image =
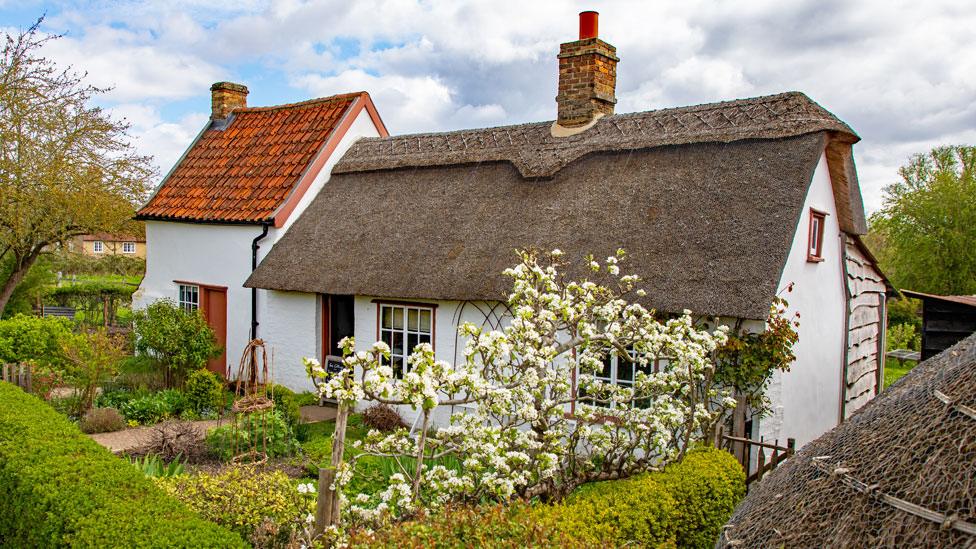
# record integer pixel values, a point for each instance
(135, 438)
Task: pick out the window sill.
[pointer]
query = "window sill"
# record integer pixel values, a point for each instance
(814, 259)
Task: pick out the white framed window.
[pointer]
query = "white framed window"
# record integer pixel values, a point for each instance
(98, 247)
(128, 247)
(623, 373)
(403, 327)
(189, 297)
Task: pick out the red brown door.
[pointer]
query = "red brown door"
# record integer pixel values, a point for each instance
(214, 301)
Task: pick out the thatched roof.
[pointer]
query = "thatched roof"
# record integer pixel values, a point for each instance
(705, 199)
(901, 472)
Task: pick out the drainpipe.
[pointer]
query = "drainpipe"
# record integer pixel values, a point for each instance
(254, 265)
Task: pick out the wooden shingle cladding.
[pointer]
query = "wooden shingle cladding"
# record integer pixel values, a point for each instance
(946, 320)
(864, 357)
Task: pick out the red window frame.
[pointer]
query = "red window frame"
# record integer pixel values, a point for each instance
(815, 236)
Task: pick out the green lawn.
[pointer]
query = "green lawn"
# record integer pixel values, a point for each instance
(894, 369)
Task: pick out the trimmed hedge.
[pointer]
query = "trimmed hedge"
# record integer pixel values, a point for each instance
(684, 506)
(60, 488)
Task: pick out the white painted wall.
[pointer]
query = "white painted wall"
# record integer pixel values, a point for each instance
(806, 400)
(220, 255)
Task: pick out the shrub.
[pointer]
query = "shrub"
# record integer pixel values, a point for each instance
(102, 420)
(513, 525)
(155, 407)
(61, 488)
(264, 432)
(181, 340)
(383, 418)
(706, 485)
(93, 359)
(153, 466)
(34, 339)
(204, 392)
(241, 498)
(141, 373)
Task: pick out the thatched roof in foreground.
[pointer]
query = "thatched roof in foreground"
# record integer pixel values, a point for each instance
(913, 447)
(705, 199)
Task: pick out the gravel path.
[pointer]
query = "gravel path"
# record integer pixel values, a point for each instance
(137, 437)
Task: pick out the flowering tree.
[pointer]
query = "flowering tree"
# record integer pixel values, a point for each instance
(539, 419)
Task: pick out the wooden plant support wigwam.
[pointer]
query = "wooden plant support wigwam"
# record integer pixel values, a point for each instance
(252, 399)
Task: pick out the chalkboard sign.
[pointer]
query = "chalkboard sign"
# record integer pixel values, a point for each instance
(333, 364)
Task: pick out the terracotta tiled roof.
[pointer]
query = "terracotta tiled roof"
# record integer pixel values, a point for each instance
(242, 172)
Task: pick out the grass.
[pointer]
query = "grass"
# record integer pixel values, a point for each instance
(895, 369)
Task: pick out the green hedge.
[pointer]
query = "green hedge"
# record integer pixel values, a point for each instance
(60, 488)
(684, 506)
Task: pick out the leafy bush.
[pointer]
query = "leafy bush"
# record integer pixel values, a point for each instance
(683, 506)
(505, 525)
(141, 372)
(383, 418)
(155, 407)
(34, 339)
(240, 498)
(181, 340)
(905, 311)
(93, 358)
(204, 392)
(61, 488)
(265, 432)
(101, 420)
(903, 336)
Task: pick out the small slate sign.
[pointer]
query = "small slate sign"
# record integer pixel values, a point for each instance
(333, 364)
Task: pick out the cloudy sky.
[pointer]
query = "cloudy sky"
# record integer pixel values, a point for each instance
(901, 73)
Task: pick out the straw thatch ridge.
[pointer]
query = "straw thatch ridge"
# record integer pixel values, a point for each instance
(537, 154)
(708, 226)
(901, 472)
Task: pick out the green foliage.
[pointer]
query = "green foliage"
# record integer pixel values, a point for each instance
(264, 432)
(154, 467)
(747, 361)
(684, 506)
(903, 336)
(90, 297)
(181, 340)
(240, 498)
(896, 369)
(204, 392)
(905, 311)
(34, 339)
(706, 485)
(119, 267)
(101, 420)
(93, 359)
(925, 231)
(504, 525)
(140, 372)
(152, 408)
(31, 289)
(61, 488)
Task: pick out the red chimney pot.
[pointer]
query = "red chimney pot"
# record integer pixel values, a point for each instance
(589, 24)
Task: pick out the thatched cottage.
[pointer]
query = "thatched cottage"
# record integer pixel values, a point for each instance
(721, 207)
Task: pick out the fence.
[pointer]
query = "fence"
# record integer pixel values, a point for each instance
(18, 374)
(742, 449)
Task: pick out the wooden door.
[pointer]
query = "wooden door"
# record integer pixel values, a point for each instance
(214, 301)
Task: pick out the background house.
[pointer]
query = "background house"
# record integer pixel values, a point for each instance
(237, 189)
(102, 244)
(946, 320)
(720, 207)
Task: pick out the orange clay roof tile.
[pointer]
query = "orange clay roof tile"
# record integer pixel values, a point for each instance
(245, 172)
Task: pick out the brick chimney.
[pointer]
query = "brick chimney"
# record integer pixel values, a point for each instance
(587, 75)
(225, 97)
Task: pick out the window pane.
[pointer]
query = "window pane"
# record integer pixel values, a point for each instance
(387, 314)
(625, 371)
(411, 342)
(662, 364)
(605, 372)
(425, 320)
(397, 364)
(398, 318)
(412, 319)
(396, 347)
(424, 338)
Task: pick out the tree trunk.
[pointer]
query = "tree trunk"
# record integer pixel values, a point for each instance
(419, 471)
(14, 279)
(327, 512)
